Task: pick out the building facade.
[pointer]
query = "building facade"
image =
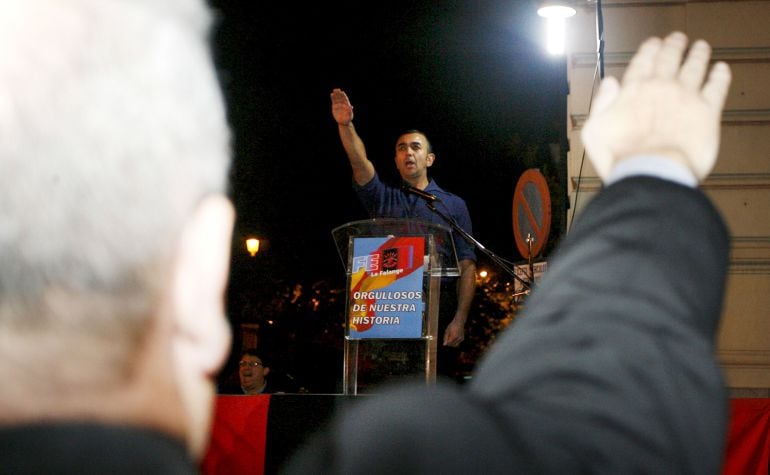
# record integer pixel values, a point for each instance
(739, 32)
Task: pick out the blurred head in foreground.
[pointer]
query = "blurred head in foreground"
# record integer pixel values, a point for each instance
(114, 226)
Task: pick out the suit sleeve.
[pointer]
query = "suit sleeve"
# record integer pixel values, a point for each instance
(614, 356)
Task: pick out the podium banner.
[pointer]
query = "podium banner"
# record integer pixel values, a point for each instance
(386, 287)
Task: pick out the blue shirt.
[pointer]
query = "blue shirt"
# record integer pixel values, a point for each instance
(652, 165)
(386, 201)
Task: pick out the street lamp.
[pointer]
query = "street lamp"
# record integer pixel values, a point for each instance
(556, 14)
(252, 245)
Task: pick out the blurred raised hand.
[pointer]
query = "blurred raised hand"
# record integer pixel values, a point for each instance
(664, 107)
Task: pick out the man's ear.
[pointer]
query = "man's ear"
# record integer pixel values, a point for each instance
(201, 332)
(430, 158)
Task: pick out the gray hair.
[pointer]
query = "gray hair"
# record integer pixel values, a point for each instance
(112, 129)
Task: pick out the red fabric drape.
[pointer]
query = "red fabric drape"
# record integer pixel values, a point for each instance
(748, 447)
(238, 436)
(240, 433)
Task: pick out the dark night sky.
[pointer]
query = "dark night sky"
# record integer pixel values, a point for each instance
(471, 74)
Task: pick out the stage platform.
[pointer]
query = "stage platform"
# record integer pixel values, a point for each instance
(254, 435)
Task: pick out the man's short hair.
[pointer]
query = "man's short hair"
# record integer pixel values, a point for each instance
(257, 353)
(110, 135)
(417, 131)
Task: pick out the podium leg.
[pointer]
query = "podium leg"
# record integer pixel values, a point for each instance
(431, 342)
(350, 375)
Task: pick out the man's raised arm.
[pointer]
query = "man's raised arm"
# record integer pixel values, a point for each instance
(342, 110)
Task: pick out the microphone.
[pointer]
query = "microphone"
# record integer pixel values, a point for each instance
(429, 197)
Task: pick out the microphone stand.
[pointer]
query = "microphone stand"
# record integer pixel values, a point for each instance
(495, 258)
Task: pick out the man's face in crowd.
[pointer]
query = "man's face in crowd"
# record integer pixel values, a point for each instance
(252, 373)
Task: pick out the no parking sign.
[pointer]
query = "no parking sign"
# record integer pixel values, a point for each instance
(531, 213)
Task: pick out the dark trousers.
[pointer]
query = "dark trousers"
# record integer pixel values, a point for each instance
(447, 358)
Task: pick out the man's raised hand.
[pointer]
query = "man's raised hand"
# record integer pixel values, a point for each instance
(663, 108)
(342, 110)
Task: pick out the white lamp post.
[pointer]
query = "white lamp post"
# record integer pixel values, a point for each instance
(556, 14)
